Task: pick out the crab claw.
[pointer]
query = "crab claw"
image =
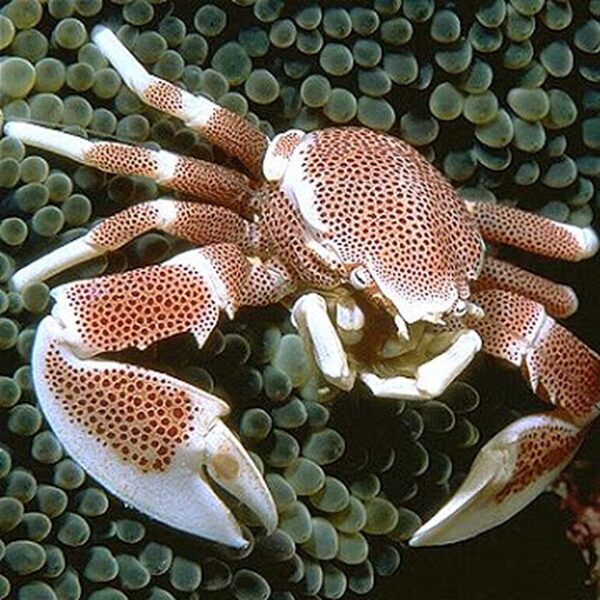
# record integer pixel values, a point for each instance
(510, 471)
(150, 439)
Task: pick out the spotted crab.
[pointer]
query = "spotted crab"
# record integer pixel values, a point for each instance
(384, 268)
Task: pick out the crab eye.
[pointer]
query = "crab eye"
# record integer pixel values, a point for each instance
(359, 278)
(460, 309)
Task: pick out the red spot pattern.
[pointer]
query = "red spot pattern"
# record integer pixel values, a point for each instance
(525, 230)
(283, 236)
(140, 307)
(238, 138)
(267, 283)
(569, 373)
(286, 143)
(202, 179)
(541, 449)
(122, 159)
(139, 414)
(566, 371)
(229, 131)
(117, 230)
(212, 183)
(387, 207)
(509, 325)
(165, 97)
(232, 269)
(198, 223)
(206, 224)
(558, 300)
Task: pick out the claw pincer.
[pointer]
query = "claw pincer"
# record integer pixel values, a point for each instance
(147, 437)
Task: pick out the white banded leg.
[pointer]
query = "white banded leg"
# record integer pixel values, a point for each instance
(227, 130)
(198, 178)
(199, 223)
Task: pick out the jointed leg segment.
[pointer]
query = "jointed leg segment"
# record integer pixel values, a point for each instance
(227, 130)
(557, 365)
(533, 233)
(203, 180)
(184, 294)
(558, 300)
(198, 223)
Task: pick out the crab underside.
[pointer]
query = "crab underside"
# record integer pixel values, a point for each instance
(385, 272)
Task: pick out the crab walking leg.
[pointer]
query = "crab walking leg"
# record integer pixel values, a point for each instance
(559, 300)
(204, 180)
(146, 437)
(185, 294)
(533, 233)
(227, 130)
(559, 367)
(198, 223)
(433, 376)
(309, 315)
(520, 461)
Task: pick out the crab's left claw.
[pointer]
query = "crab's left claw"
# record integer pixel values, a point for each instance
(152, 440)
(515, 466)
(510, 471)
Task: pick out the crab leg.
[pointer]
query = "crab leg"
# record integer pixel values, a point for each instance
(198, 223)
(184, 294)
(227, 130)
(515, 466)
(204, 180)
(559, 367)
(533, 233)
(558, 300)
(146, 437)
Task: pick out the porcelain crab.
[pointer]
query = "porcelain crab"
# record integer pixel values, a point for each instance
(384, 266)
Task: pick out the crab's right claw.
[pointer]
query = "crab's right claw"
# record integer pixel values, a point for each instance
(149, 439)
(510, 471)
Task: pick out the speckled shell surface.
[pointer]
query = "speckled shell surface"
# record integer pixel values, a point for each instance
(375, 201)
